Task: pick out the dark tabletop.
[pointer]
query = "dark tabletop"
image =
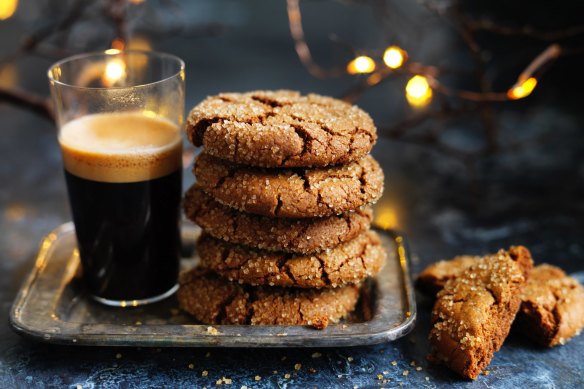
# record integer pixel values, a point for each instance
(531, 195)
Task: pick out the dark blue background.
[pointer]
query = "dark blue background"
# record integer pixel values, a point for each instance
(531, 195)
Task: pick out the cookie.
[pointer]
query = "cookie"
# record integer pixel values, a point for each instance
(432, 279)
(281, 129)
(552, 308)
(474, 311)
(288, 235)
(212, 300)
(348, 263)
(292, 193)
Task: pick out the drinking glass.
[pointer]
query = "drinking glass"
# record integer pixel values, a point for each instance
(119, 116)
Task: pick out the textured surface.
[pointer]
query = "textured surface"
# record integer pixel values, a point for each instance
(473, 313)
(433, 278)
(348, 263)
(276, 234)
(212, 300)
(281, 128)
(552, 308)
(294, 193)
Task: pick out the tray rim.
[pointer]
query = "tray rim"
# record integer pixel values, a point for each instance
(229, 335)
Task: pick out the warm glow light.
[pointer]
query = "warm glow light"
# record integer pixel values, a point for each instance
(114, 71)
(361, 64)
(7, 8)
(112, 51)
(522, 90)
(9, 75)
(386, 217)
(136, 1)
(418, 91)
(138, 43)
(394, 57)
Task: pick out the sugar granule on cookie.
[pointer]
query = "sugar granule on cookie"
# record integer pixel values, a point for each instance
(474, 311)
(433, 278)
(291, 193)
(307, 235)
(212, 300)
(348, 263)
(281, 129)
(552, 308)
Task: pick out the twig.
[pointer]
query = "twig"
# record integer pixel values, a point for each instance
(38, 104)
(527, 31)
(302, 49)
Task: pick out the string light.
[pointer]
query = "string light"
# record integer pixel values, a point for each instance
(418, 91)
(7, 8)
(361, 65)
(394, 57)
(523, 89)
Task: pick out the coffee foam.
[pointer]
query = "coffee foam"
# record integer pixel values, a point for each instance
(121, 147)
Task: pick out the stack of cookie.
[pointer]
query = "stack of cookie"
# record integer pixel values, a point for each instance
(283, 195)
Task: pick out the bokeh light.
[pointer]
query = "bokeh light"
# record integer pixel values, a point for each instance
(418, 91)
(361, 65)
(522, 90)
(394, 57)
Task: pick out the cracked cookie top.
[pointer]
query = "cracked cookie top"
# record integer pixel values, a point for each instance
(294, 193)
(348, 263)
(281, 129)
(212, 300)
(275, 234)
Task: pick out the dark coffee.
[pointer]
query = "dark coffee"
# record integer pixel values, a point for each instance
(124, 178)
(127, 234)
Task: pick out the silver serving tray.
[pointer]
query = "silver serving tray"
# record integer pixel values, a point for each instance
(51, 307)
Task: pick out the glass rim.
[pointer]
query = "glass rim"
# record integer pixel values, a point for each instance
(105, 53)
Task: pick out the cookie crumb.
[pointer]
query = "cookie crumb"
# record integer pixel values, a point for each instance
(297, 366)
(191, 366)
(419, 368)
(406, 373)
(427, 378)
(257, 378)
(394, 363)
(413, 363)
(287, 376)
(118, 356)
(205, 373)
(311, 370)
(212, 331)
(350, 359)
(316, 355)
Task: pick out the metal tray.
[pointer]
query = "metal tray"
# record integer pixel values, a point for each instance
(51, 307)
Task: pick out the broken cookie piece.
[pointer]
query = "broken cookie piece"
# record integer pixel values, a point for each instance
(474, 311)
(433, 278)
(552, 309)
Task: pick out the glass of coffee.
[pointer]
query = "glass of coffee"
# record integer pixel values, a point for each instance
(119, 116)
